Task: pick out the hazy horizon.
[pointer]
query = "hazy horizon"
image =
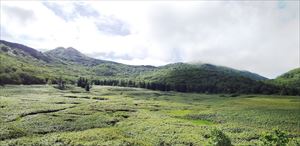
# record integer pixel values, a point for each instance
(261, 37)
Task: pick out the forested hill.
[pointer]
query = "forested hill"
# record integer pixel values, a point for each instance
(207, 78)
(202, 78)
(211, 67)
(21, 64)
(290, 79)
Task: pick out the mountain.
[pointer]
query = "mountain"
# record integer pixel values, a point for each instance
(19, 49)
(73, 56)
(290, 79)
(211, 67)
(204, 78)
(21, 64)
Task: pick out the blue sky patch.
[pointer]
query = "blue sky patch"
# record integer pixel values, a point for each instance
(113, 26)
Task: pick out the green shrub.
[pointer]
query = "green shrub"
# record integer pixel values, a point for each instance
(9, 132)
(218, 138)
(276, 137)
(4, 48)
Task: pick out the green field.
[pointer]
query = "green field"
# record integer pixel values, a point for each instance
(43, 115)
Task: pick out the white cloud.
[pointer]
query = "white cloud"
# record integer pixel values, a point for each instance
(262, 37)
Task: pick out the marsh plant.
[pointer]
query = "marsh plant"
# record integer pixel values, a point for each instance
(275, 138)
(218, 138)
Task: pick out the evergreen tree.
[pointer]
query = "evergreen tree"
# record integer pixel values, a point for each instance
(61, 83)
(87, 87)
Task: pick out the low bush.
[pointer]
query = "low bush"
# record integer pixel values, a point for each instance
(276, 137)
(218, 138)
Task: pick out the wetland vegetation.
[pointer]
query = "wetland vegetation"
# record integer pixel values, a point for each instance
(43, 115)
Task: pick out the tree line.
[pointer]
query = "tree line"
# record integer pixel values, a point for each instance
(242, 87)
(237, 87)
(84, 83)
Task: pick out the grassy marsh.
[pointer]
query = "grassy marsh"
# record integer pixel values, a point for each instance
(43, 115)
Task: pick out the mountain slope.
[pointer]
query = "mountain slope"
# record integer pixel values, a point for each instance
(20, 67)
(73, 56)
(203, 78)
(24, 65)
(19, 49)
(17, 59)
(98, 67)
(290, 79)
(211, 67)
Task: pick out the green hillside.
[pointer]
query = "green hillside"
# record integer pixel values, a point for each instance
(25, 70)
(205, 78)
(291, 78)
(71, 55)
(24, 65)
(70, 64)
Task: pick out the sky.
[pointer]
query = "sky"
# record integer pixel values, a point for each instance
(260, 36)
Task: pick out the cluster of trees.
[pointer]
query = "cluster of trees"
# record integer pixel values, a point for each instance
(84, 83)
(209, 87)
(14, 72)
(251, 87)
(61, 84)
(18, 76)
(21, 78)
(132, 83)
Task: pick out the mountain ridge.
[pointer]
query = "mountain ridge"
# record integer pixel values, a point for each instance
(33, 52)
(70, 54)
(25, 65)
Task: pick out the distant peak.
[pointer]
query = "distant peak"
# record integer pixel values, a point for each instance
(66, 49)
(71, 48)
(196, 62)
(59, 48)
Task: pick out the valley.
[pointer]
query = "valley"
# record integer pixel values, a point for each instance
(43, 115)
(42, 103)
(149, 73)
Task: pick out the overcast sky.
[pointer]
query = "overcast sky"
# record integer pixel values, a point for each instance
(262, 37)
